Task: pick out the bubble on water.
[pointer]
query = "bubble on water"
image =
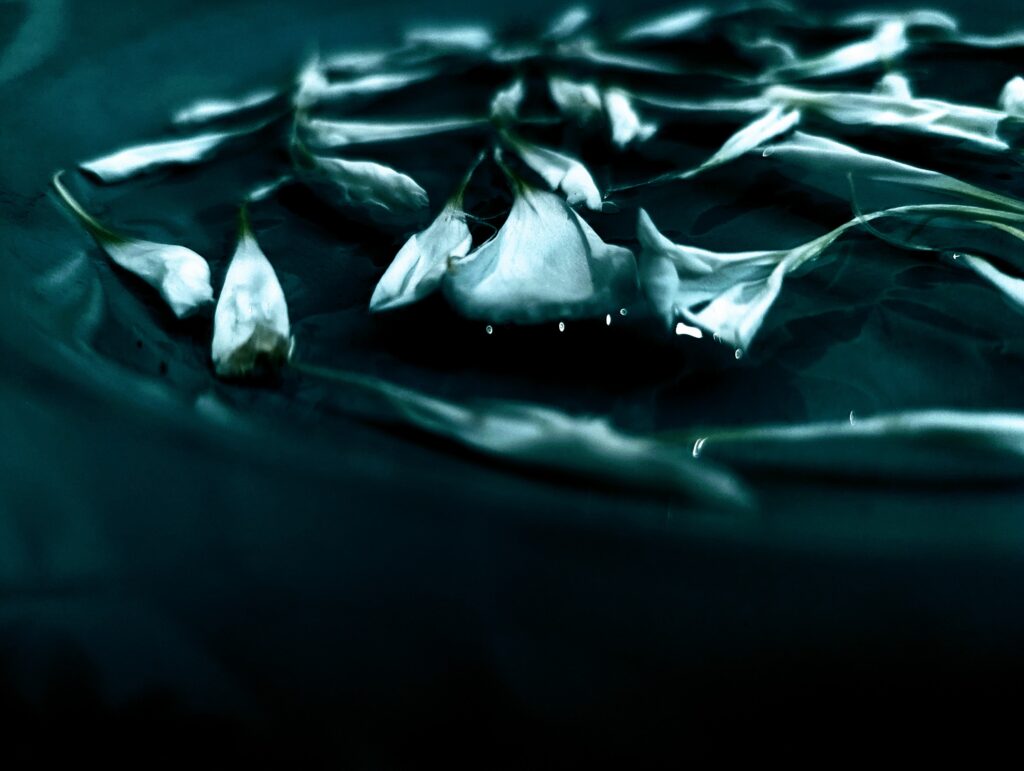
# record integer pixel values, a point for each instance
(561, 326)
(623, 311)
(738, 353)
(489, 329)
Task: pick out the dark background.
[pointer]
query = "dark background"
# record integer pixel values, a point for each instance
(173, 579)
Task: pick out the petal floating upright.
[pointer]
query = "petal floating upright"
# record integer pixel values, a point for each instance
(251, 332)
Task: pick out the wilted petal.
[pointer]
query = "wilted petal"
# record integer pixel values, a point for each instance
(671, 25)
(733, 292)
(625, 123)
(895, 86)
(506, 102)
(580, 101)
(560, 171)
(976, 125)
(383, 193)
(775, 122)
(209, 110)
(327, 134)
(148, 157)
(544, 263)
(888, 42)
(464, 38)
(314, 87)
(180, 275)
(251, 333)
(568, 24)
(420, 264)
(585, 448)
(1011, 100)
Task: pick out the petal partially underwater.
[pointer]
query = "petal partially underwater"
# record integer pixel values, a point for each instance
(544, 263)
(251, 332)
(378, 191)
(560, 171)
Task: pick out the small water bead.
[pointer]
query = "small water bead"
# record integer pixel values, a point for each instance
(608, 320)
(853, 417)
(738, 353)
(489, 329)
(623, 311)
(768, 152)
(561, 326)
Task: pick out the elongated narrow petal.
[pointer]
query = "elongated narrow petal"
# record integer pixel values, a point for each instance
(208, 110)
(912, 446)
(626, 125)
(544, 263)
(314, 87)
(326, 134)
(560, 171)
(975, 125)
(251, 333)
(466, 38)
(583, 448)
(569, 23)
(808, 150)
(674, 24)
(380, 191)
(888, 42)
(180, 275)
(894, 85)
(148, 157)
(421, 263)
(774, 123)
(579, 101)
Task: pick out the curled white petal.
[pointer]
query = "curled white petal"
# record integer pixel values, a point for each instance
(382, 192)
(544, 263)
(208, 110)
(778, 120)
(670, 25)
(561, 172)
(1011, 99)
(887, 43)
(568, 23)
(894, 85)
(251, 332)
(143, 158)
(181, 276)
(420, 264)
(506, 102)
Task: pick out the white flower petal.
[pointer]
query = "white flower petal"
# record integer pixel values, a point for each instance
(381, 192)
(625, 123)
(673, 24)
(325, 133)
(568, 24)
(209, 110)
(506, 102)
(888, 42)
(777, 121)
(180, 275)
(560, 171)
(251, 332)
(579, 101)
(544, 263)
(1011, 99)
(894, 85)
(139, 159)
(462, 38)
(420, 264)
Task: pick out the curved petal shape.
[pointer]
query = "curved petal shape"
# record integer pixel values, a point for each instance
(544, 263)
(251, 332)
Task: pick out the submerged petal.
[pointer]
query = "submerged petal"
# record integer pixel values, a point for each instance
(544, 263)
(251, 332)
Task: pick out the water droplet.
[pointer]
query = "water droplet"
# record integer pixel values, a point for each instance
(686, 329)
(561, 326)
(853, 417)
(768, 152)
(738, 353)
(956, 257)
(623, 311)
(717, 338)
(608, 320)
(698, 446)
(489, 329)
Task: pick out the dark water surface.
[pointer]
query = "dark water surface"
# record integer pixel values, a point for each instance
(253, 566)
